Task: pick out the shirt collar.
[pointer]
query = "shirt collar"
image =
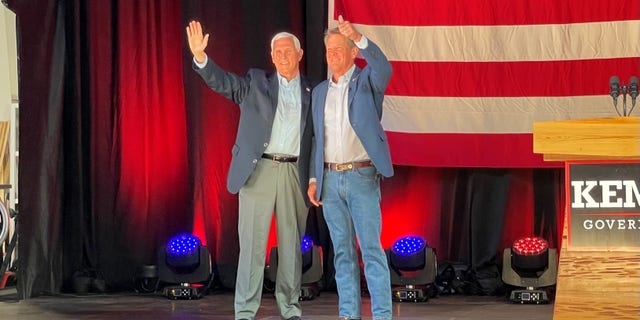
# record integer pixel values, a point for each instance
(345, 77)
(286, 84)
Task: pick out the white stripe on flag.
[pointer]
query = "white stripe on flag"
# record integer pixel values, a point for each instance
(507, 43)
(489, 114)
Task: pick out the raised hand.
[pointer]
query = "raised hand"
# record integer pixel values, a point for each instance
(197, 42)
(347, 29)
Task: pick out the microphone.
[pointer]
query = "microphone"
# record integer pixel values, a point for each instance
(633, 88)
(633, 91)
(614, 86)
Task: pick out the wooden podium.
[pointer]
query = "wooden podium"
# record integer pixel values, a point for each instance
(594, 283)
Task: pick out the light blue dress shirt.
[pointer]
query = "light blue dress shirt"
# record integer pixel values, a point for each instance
(285, 133)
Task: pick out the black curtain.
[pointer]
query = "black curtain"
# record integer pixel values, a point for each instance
(76, 218)
(53, 167)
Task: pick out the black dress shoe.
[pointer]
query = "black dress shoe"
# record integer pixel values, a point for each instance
(294, 318)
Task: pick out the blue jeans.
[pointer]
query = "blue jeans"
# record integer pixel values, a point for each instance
(351, 207)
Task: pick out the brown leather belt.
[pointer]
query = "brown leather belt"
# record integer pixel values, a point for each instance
(348, 166)
(280, 158)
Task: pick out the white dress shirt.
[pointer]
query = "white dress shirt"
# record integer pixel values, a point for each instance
(341, 142)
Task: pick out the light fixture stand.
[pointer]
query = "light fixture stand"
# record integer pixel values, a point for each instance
(529, 296)
(185, 291)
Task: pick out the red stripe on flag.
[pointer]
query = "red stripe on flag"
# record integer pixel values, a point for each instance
(483, 12)
(465, 150)
(508, 79)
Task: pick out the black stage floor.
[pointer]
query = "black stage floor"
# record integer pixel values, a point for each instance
(220, 306)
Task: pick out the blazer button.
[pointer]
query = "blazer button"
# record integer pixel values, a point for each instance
(266, 144)
(255, 161)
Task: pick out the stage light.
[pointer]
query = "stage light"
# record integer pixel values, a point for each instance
(147, 279)
(530, 265)
(184, 261)
(311, 268)
(306, 246)
(413, 269)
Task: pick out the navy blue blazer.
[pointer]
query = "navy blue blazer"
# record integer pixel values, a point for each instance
(257, 96)
(366, 93)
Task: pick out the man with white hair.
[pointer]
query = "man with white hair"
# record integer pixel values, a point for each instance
(269, 166)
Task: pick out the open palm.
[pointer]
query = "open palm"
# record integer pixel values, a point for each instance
(197, 41)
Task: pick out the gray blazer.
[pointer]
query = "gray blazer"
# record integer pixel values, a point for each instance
(366, 93)
(257, 95)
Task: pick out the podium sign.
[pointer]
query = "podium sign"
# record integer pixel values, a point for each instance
(598, 274)
(603, 205)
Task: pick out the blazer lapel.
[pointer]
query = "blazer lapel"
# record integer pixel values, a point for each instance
(273, 94)
(353, 85)
(305, 99)
(318, 106)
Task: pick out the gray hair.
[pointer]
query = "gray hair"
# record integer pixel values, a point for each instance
(281, 35)
(333, 31)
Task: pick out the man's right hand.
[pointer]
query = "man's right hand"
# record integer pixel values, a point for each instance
(311, 192)
(197, 42)
(348, 30)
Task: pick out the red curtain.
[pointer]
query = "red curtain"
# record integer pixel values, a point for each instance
(104, 172)
(150, 122)
(140, 173)
(123, 146)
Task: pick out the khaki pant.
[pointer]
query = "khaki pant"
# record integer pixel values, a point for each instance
(272, 187)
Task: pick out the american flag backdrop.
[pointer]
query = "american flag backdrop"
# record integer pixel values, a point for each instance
(471, 77)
